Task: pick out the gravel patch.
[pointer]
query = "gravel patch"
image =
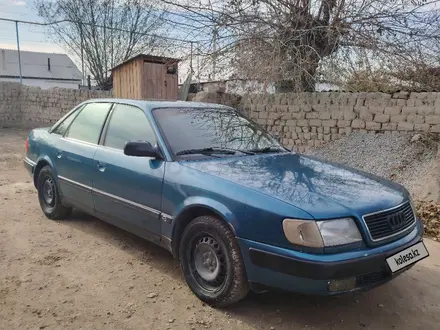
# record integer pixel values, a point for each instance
(392, 156)
(413, 161)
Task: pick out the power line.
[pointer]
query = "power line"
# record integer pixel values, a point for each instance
(123, 30)
(94, 25)
(81, 23)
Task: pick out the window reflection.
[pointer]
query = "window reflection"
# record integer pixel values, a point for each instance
(198, 128)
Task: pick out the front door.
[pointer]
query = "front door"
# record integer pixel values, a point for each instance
(128, 190)
(75, 152)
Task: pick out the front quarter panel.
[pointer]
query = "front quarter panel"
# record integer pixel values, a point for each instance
(251, 214)
(183, 190)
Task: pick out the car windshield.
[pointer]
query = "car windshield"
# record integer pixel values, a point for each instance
(212, 131)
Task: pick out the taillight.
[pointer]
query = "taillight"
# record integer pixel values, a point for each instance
(26, 146)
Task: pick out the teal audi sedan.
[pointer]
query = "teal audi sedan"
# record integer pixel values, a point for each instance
(236, 208)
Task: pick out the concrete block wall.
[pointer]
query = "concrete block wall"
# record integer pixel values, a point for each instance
(26, 106)
(10, 103)
(300, 120)
(304, 120)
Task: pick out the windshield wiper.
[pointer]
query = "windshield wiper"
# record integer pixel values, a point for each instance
(266, 150)
(206, 151)
(247, 152)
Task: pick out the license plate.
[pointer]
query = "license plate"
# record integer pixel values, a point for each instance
(407, 257)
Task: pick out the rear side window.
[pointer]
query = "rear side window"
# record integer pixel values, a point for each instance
(64, 125)
(128, 123)
(88, 124)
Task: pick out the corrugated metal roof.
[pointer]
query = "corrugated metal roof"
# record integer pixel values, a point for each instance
(35, 65)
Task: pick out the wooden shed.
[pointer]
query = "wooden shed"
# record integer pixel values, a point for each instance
(146, 77)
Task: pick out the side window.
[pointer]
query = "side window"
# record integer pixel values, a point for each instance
(62, 127)
(128, 123)
(88, 124)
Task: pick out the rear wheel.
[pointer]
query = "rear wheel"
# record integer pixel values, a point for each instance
(49, 196)
(211, 262)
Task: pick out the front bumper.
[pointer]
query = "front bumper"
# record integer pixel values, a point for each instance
(301, 272)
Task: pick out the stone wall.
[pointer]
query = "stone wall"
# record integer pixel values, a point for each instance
(310, 119)
(299, 119)
(26, 106)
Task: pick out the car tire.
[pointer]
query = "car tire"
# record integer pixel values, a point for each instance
(49, 196)
(211, 262)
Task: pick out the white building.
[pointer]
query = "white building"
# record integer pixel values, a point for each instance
(45, 70)
(242, 86)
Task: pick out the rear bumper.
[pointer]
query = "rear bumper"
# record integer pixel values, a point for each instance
(300, 272)
(29, 165)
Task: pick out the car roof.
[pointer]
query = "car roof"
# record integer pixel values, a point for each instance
(152, 104)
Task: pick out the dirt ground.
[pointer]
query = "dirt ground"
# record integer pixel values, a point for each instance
(85, 274)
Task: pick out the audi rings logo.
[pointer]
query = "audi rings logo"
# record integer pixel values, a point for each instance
(396, 220)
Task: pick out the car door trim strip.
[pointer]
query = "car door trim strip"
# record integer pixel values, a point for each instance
(83, 186)
(117, 198)
(126, 201)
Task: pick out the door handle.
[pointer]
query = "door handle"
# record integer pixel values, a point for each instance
(101, 166)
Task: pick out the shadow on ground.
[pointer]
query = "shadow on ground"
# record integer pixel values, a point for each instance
(386, 307)
(137, 247)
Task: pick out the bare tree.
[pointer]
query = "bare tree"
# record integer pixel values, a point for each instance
(413, 74)
(104, 32)
(289, 41)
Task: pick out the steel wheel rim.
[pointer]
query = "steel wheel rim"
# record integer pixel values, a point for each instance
(49, 192)
(208, 263)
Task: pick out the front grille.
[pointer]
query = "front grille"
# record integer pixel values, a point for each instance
(384, 224)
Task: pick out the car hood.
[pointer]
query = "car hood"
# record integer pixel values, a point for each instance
(321, 188)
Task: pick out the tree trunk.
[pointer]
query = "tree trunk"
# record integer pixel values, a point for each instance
(299, 75)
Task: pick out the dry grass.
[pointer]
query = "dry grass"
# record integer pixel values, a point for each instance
(429, 213)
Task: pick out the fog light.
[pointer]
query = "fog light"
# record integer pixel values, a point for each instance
(342, 285)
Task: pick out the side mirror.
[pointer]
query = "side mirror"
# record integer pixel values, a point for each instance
(142, 149)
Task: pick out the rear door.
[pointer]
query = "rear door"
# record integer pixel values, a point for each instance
(128, 190)
(75, 152)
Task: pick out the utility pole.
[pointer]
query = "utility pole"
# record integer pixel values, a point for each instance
(112, 62)
(191, 58)
(198, 66)
(82, 54)
(18, 48)
(214, 51)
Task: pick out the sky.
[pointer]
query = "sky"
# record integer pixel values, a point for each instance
(32, 38)
(36, 38)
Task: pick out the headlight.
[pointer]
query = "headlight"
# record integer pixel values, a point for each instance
(321, 233)
(339, 231)
(302, 232)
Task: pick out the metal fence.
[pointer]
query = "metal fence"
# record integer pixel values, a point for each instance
(40, 35)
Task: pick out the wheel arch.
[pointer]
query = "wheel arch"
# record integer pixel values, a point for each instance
(40, 164)
(191, 212)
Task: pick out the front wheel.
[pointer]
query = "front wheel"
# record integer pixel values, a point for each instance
(49, 196)
(211, 262)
